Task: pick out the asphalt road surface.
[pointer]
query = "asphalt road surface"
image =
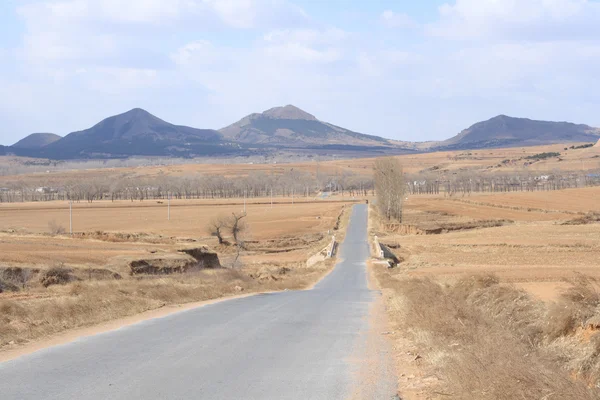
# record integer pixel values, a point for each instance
(288, 345)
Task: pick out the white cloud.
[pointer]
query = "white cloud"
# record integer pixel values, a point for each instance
(305, 45)
(236, 13)
(201, 51)
(541, 20)
(117, 80)
(80, 30)
(296, 52)
(392, 19)
(233, 13)
(307, 36)
(530, 58)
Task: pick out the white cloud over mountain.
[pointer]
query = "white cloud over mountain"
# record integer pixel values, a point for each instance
(208, 62)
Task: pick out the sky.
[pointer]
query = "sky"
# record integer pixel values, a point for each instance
(401, 69)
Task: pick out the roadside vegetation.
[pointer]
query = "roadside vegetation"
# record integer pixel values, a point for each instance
(502, 308)
(478, 339)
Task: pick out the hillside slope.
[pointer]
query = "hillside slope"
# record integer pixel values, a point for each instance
(504, 131)
(36, 141)
(136, 132)
(289, 126)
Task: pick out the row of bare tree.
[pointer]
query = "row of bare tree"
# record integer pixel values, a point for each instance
(290, 183)
(465, 182)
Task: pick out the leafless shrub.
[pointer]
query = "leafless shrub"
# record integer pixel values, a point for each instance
(17, 276)
(589, 218)
(217, 227)
(6, 286)
(57, 276)
(55, 228)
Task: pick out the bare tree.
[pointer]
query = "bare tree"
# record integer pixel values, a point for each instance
(217, 227)
(389, 187)
(238, 227)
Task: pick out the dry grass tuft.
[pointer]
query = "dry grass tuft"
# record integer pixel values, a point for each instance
(57, 276)
(479, 337)
(55, 228)
(69, 302)
(589, 218)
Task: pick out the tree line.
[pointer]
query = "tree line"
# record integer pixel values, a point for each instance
(291, 183)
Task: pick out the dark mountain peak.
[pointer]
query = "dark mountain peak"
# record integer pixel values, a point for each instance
(289, 126)
(137, 132)
(137, 113)
(288, 112)
(36, 141)
(134, 115)
(505, 131)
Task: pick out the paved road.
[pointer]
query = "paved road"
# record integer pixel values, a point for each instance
(289, 345)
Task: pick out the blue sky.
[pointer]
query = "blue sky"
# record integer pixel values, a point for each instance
(408, 70)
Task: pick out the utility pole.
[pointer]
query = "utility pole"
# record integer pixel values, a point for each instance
(71, 217)
(168, 206)
(244, 202)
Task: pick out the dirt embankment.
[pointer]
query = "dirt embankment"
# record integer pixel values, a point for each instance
(438, 229)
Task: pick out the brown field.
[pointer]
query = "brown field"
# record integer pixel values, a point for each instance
(486, 161)
(189, 218)
(27, 241)
(569, 200)
(531, 247)
(109, 236)
(506, 280)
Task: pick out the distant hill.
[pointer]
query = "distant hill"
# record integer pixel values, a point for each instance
(290, 126)
(504, 131)
(281, 129)
(36, 141)
(137, 132)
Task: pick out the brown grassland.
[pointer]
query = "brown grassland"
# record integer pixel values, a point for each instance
(487, 161)
(496, 295)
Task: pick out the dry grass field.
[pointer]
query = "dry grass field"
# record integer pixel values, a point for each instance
(486, 161)
(189, 218)
(496, 295)
(53, 282)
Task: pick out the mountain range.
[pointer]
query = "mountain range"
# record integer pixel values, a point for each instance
(288, 128)
(504, 131)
